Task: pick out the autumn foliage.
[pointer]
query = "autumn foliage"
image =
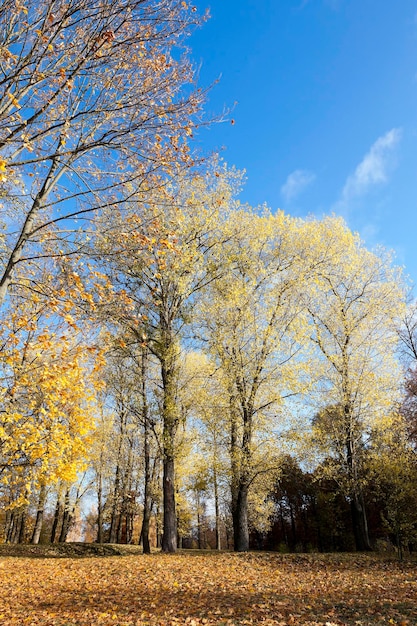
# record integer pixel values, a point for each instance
(211, 589)
(178, 369)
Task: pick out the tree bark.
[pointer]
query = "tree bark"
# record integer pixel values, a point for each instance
(57, 515)
(158, 529)
(217, 509)
(199, 539)
(39, 516)
(17, 524)
(7, 525)
(146, 453)
(360, 524)
(293, 531)
(169, 537)
(22, 525)
(115, 513)
(240, 520)
(169, 369)
(66, 518)
(100, 510)
(15, 530)
(357, 504)
(241, 462)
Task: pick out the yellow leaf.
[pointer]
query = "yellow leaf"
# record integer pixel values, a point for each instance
(13, 99)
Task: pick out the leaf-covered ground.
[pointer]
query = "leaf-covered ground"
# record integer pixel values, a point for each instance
(194, 589)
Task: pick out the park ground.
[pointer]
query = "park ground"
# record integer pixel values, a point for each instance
(45, 586)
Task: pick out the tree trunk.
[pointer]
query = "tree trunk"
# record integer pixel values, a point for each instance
(15, 531)
(22, 527)
(357, 504)
(146, 522)
(318, 526)
(129, 526)
(293, 531)
(115, 512)
(217, 509)
(228, 535)
(169, 537)
(120, 526)
(240, 462)
(146, 453)
(240, 520)
(17, 526)
(199, 542)
(158, 529)
(283, 525)
(39, 516)
(146, 495)
(169, 368)
(66, 518)
(9, 527)
(127, 503)
(360, 524)
(57, 515)
(100, 510)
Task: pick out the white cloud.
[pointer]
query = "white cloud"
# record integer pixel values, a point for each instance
(374, 168)
(296, 182)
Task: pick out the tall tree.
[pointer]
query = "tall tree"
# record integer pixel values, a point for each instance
(46, 399)
(159, 266)
(356, 297)
(252, 320)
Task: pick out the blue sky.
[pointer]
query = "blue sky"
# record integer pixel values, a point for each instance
(326, 108)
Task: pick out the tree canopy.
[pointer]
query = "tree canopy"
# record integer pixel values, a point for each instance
(208, 373)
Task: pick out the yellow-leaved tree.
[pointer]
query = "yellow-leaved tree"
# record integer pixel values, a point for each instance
(46, 406)
(158, 259)
(253, 323)
(354, 303)
(94, 97)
